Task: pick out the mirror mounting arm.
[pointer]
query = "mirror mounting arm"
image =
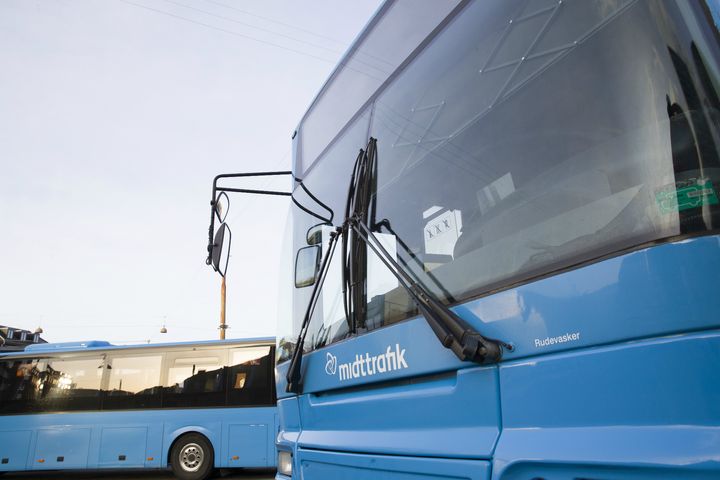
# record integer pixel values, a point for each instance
(216, 189)
(220, 190)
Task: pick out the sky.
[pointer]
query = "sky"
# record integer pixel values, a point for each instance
(114, 118)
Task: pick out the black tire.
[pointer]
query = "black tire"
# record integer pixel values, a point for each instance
(192, 457)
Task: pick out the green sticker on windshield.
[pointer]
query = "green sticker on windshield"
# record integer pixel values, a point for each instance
(686, 194)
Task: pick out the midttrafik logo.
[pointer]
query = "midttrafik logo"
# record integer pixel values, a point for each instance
(331, 365)
(367, 365)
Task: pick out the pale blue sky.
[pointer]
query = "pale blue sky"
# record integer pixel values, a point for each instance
(115, 116)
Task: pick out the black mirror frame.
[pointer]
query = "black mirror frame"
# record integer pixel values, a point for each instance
(217, 248)
(318, 251)
(314, 233)
(216, 206)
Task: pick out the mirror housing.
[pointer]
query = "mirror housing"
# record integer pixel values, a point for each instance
(307, 266)
(314, 234)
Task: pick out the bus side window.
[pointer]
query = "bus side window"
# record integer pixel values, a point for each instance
(134, 382)
(71, 384)
(20, 384)
(249, 377)
(195, 379)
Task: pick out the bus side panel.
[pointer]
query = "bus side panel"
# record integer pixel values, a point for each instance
(154, 454)
(62, 448)
(237, 432)
(250, 440)
(175, 428)
(640, 410)
(333, 466)
(123, 447)
(247, 444)
(14, 448)
(453, 415)
(134, 439)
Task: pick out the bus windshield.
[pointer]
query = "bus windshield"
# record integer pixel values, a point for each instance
(526, 138)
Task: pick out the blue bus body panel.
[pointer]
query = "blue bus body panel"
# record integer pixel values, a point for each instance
(62, 447)
(339, 466)
(652, 407)
(14, 448)
(612, 361)
(123, 447)
(457, 422)
(135, 439)
(249, 442)
(662, 290)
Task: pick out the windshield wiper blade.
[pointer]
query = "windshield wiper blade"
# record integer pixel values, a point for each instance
(354, 254)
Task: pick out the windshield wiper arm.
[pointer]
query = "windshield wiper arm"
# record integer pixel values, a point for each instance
(386, 224)
(454, 332)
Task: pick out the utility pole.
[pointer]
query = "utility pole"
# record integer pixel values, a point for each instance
(223, 325)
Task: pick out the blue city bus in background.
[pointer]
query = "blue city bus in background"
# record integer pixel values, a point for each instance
(507, 257)
(192, 406)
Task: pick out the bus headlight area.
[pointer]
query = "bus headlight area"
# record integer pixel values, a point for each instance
(284, 463)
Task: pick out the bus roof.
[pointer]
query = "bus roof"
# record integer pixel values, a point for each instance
(95, 345)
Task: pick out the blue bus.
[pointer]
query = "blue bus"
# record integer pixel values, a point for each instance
(194, 407)
(507, 260)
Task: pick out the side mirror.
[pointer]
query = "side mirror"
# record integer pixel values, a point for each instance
(222, 206)
(307, 265)
(221, 249)
(314, 235)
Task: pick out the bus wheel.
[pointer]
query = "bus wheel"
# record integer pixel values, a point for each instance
(192, 457)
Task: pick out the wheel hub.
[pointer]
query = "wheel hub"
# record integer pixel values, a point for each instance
(191, 457)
